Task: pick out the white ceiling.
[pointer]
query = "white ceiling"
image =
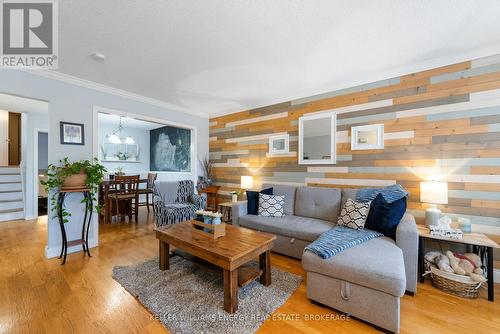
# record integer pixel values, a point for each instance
(219, 56)
(127, 122)
(22, 104)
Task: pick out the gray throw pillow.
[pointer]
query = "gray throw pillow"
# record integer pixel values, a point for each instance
(354, 214)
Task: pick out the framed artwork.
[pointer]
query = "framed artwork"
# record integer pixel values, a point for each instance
(170, 149)
(367, 137)
(72, 133)
(279, 144)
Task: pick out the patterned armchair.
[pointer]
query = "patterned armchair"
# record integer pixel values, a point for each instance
(176, 201)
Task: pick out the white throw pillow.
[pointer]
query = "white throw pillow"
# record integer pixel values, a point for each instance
(354, 214)
(271, 205)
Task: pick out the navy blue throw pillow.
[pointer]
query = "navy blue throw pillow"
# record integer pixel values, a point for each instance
(384, 217)
(253, 200)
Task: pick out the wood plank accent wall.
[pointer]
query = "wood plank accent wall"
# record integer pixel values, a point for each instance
(444, 121)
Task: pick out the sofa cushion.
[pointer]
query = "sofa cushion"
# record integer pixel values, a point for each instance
(253, 200)
(377, 264)
(353, 214)
(320, 203)
(384, 217)
(303, 228)
(287, 191)
(348, 193)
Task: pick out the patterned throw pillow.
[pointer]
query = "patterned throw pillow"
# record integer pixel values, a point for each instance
(271, 205)
(354, 214)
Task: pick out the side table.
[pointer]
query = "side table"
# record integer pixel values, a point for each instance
(226, 209)
(89, 208)
(211, 192)
(480, 243)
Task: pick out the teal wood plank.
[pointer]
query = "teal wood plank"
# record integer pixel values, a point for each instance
(466, 73)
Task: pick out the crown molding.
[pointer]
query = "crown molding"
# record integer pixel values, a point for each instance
(72, 80)
(388, 74)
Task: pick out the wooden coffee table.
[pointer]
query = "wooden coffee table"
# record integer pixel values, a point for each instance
(230, 252)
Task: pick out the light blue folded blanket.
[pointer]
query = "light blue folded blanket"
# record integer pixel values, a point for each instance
(390, 193)
(339, 238)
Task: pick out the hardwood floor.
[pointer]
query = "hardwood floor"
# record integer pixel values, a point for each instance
(38, 295)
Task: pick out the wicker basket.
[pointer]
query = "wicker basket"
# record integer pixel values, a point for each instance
(459, 285)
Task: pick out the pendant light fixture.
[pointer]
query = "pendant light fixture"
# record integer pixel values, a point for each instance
(115, 138)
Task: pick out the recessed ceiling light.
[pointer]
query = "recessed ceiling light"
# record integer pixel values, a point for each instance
(98, 56)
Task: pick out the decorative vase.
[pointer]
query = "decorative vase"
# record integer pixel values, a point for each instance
(207, 220)
(216, 221)
(75, 181)
(234, 198)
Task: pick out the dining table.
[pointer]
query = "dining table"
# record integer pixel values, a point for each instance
(105, 202)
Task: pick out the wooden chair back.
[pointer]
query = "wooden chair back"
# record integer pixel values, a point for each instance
(151, 180)
(126, 184)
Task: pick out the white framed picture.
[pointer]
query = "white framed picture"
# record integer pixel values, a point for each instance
(367, 137)
(317, 138)
(279, 144)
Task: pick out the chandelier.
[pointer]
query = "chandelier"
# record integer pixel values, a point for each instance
(115, 136)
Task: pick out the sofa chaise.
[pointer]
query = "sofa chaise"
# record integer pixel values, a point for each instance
(365, 281)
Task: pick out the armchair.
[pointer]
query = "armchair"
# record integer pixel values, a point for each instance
(176, 201)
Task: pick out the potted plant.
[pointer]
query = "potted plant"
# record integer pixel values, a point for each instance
(73, 175)
(235, 194)
(119, 171)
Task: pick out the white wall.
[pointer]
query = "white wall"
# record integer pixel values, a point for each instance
(72, 103)
(141, 136)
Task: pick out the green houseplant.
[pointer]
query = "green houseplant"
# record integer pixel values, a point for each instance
(84, 174)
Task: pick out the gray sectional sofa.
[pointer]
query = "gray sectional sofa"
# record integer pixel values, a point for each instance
(365, 281)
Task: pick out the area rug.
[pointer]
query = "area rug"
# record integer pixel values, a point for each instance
(189, 297)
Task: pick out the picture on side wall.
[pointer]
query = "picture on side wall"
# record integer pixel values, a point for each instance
(170, 149)
(367, 137)
(72, 133)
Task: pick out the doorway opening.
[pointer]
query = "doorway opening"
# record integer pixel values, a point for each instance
(19, 183)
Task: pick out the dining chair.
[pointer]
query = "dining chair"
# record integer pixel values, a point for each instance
(126, 190)
(148, 190)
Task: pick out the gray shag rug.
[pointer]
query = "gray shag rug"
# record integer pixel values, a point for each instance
(189, 297)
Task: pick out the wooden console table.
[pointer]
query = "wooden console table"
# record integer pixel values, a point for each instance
(89, 208)
(480, 243)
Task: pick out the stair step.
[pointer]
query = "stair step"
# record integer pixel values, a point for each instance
(11, 205)
(10, 210)
(10, 195)
(10, 186)
(10, 170)
(10, 178)
(11, 215)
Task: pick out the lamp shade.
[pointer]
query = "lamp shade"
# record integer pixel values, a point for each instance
(434, 192)
(129, 140)
(114, 139)
(246, 182)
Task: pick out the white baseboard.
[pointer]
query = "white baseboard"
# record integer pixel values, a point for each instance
(496, 275)
(51, 252)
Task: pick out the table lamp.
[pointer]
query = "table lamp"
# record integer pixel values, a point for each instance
(433, 192)
(246, 182)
